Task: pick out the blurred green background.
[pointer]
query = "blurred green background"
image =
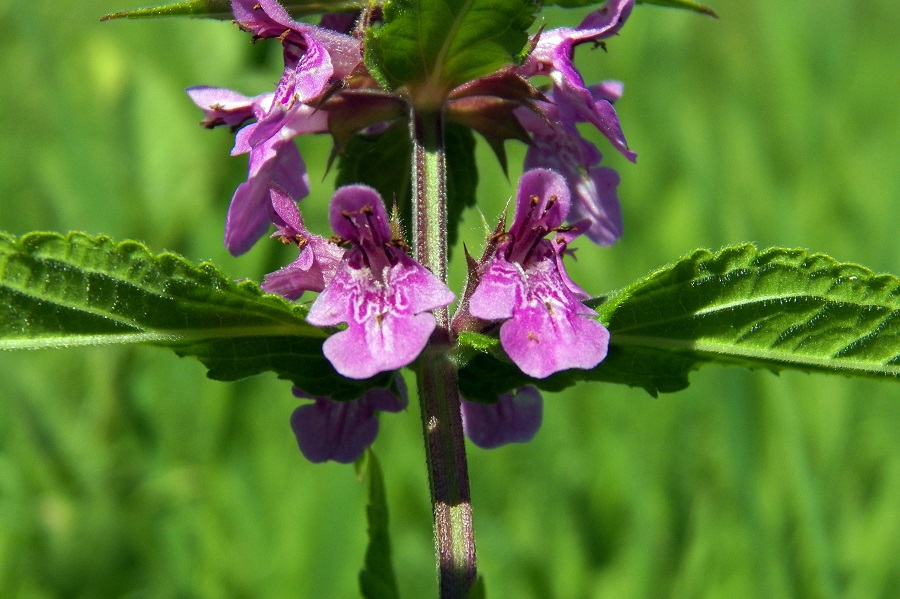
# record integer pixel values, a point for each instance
(124, 472)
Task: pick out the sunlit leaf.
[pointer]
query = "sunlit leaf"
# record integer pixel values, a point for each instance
(221, 9)
(433, 46)
(63, 291)
(377, 579)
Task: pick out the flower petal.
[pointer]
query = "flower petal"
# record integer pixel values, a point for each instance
(342, 430)
(542, 340)
(334, 430)
(597, 200)
(382, 334)
(514, 418)
(372, 222)
(224, 106)
(500, 288)
(274, 163)
(317, 262)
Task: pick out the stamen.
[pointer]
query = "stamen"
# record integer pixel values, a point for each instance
(550, 201)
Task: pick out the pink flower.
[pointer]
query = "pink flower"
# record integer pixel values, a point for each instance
(318, 261)
(546, 328)
(552, 56)
(314, 59)
(274, 162)
(557, 144)
(382, 294)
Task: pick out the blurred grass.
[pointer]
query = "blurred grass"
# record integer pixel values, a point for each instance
(125, 473)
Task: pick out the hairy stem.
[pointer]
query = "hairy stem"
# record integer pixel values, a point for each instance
(438, 384)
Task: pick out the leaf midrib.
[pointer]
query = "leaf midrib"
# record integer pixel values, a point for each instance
(749, 303)
(714, 349)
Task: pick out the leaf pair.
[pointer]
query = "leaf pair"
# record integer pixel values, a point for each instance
(771, 309)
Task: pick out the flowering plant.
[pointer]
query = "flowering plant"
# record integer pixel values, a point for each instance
(411, 81)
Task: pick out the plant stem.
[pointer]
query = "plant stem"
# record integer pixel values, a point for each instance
(438, 383)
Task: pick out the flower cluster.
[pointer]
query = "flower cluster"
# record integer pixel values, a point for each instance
(314, 59)
(376, 295)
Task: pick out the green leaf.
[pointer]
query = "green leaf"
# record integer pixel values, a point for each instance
(377, 579)
(773, 309)
(221, 9)
(62, 291)
(433, 46)
(383, 162)
(214, 9)
(684, 4)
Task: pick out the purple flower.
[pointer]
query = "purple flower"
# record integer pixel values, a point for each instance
(318, 261)
(546, 327)
(275, 161)
(342, 430)
(314, 59)
(225, 107)
(382, 294)
(552, 56)
(557, 145)
(514, 418)
(556, 142)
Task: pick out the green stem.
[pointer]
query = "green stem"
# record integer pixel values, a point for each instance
(438, 383)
